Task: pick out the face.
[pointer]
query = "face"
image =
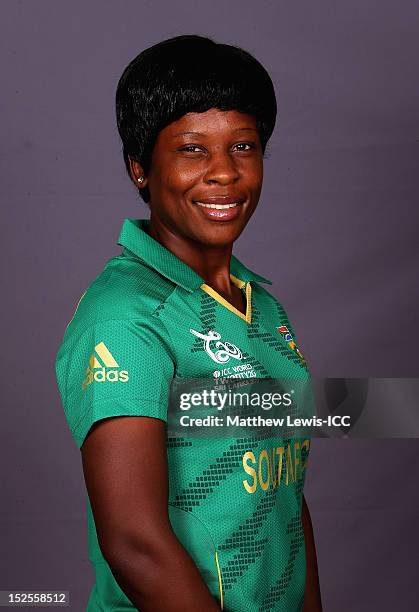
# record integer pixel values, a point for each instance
(206, 176)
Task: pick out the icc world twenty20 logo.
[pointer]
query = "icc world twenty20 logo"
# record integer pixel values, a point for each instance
(223, 350)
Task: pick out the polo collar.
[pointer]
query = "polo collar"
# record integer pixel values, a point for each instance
(135, 238)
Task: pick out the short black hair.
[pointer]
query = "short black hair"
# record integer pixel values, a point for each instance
(184, 74)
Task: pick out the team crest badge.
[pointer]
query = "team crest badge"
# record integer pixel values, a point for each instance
(286, 334)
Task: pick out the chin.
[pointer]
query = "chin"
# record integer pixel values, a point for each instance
(220, 236)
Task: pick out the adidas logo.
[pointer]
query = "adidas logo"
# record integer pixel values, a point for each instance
(103, 367)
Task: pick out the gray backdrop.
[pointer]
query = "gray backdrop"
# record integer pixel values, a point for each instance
(336, 230)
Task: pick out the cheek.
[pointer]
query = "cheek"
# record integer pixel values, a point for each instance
(253, 176)
(185, 175)
(178, 177)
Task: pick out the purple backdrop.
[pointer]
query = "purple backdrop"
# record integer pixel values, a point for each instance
(336, 230)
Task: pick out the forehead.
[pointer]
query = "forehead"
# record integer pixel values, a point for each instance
(212, 121)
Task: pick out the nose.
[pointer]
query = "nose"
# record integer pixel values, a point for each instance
(221, 169)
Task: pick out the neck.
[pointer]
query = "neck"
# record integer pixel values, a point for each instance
(209, 262)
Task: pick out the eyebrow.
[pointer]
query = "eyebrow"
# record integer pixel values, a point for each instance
(201, 134)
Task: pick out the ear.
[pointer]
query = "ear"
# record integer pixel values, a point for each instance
(136, 171)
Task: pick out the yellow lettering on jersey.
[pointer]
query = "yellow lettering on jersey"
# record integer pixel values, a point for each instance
(305, 444)
(266, 468)
(249, 470)
(297, 461)
(289, 469)
(279, 451)
(264, 483)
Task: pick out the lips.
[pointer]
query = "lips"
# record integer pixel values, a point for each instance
(228, 210)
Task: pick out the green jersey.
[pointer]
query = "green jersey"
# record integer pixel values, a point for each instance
(234, 503)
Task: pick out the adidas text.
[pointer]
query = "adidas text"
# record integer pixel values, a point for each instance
(103, 375)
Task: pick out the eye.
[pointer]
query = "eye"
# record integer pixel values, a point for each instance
(191, 149)
(244, 146)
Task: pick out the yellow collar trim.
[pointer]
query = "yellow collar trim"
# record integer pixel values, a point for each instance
(240, 284)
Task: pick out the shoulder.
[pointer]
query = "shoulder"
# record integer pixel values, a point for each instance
(125, 290)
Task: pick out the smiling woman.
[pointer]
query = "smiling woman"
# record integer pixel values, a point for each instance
(214, 174)
(173, 523)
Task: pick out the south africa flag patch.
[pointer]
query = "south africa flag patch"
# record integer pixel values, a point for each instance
(286, 334)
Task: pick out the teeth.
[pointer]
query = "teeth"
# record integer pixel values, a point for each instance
(217, 206)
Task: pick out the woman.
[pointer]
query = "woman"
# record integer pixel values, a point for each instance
(181, 524)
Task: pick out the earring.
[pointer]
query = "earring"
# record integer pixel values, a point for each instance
(140, 179)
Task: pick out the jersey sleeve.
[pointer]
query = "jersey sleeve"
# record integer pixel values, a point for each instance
(113, 368)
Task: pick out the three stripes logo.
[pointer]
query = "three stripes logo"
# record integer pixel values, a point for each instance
(286, 334)
(103, 367)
